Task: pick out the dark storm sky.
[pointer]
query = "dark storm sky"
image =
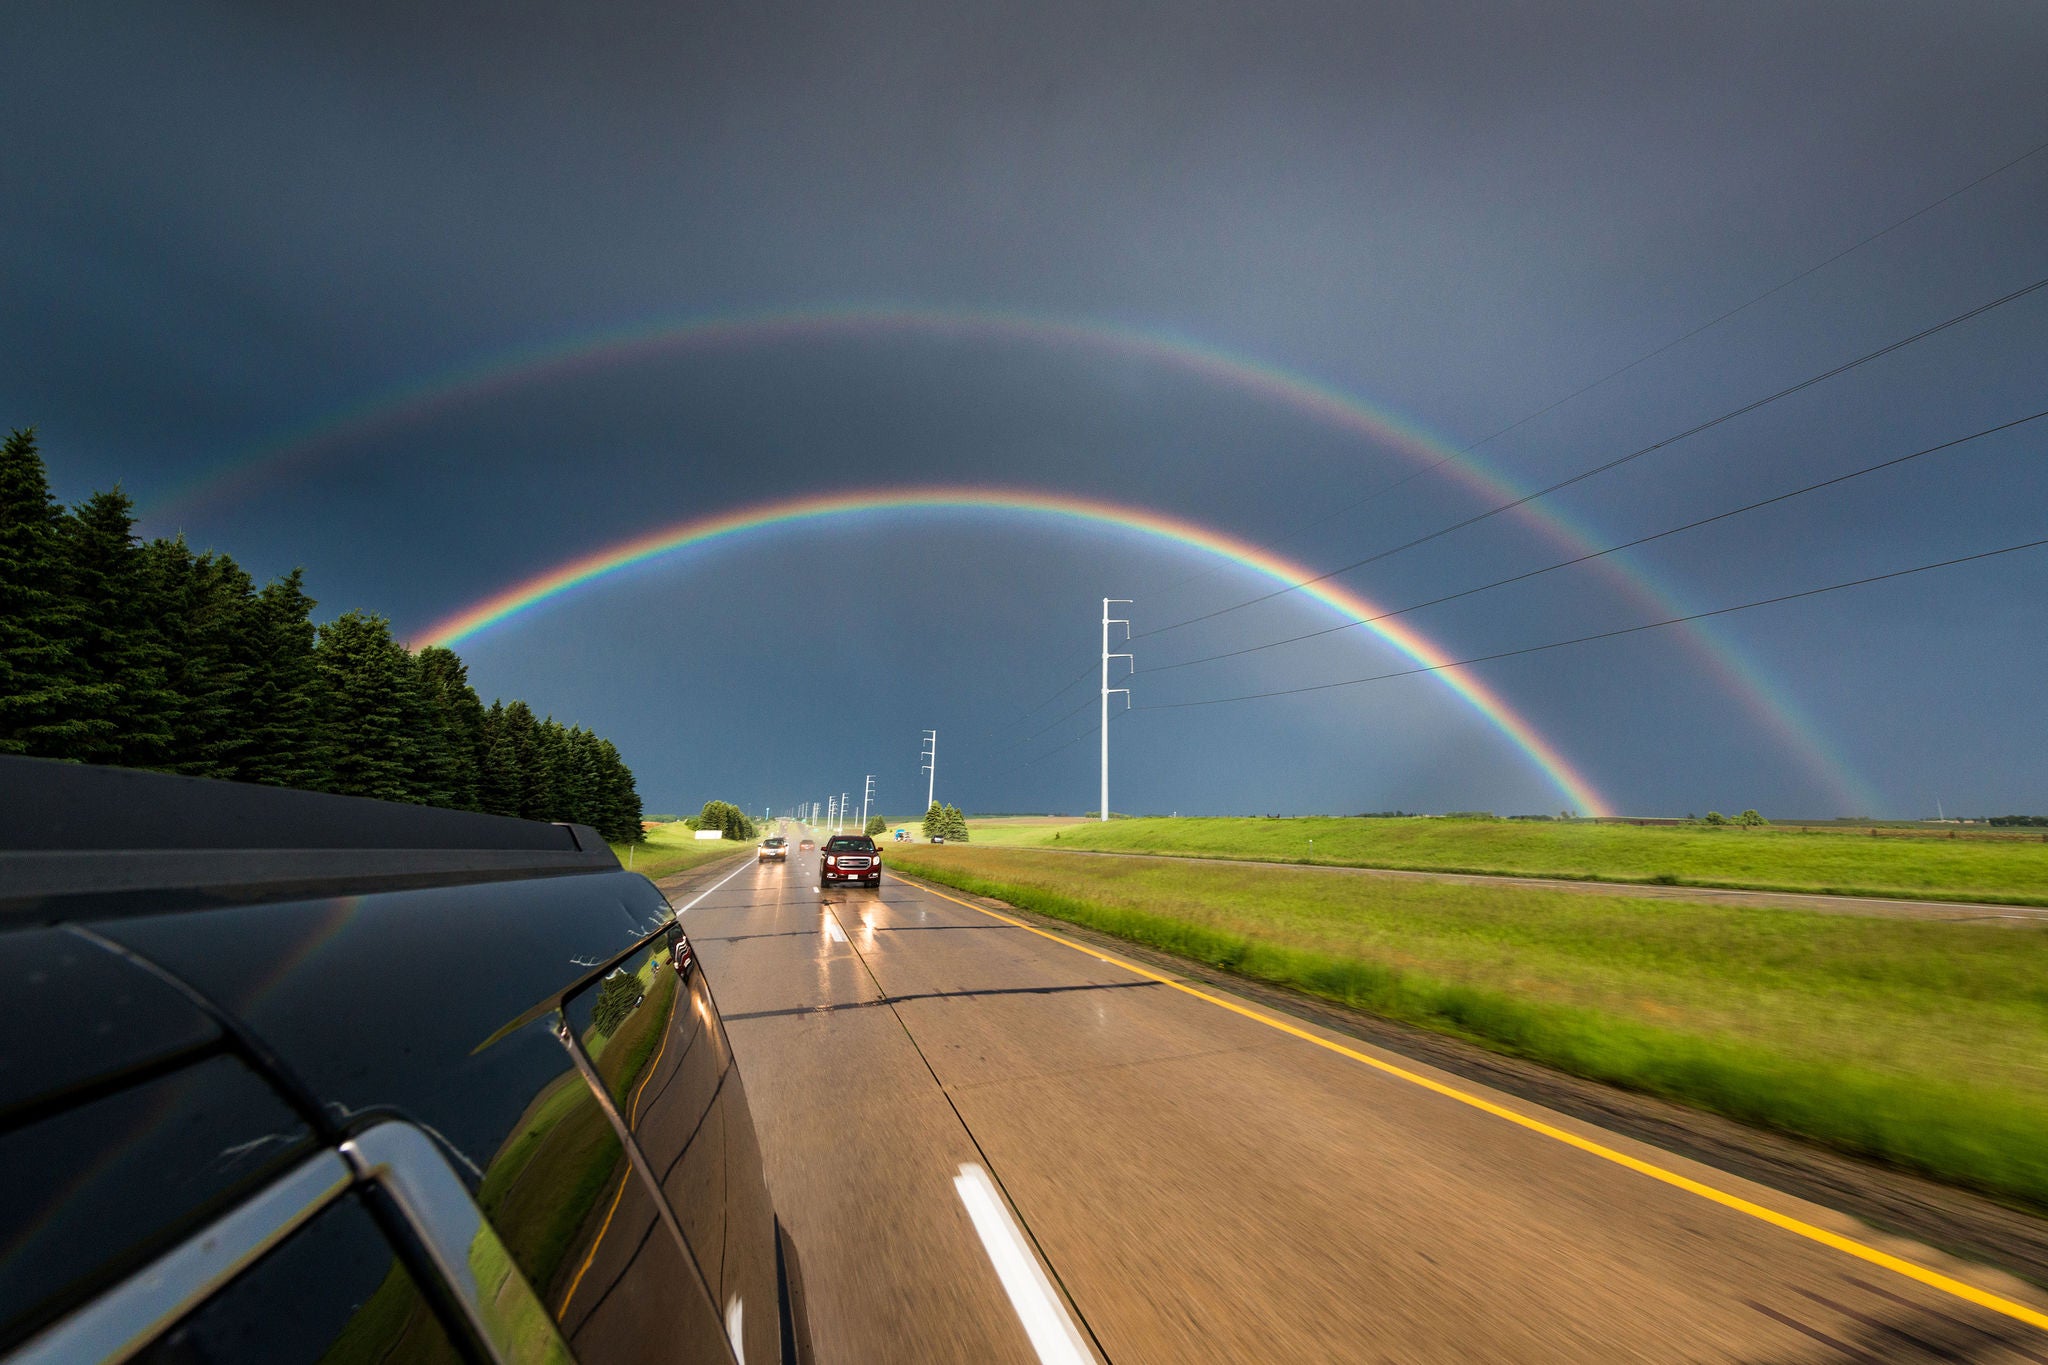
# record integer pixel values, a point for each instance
(224, 226)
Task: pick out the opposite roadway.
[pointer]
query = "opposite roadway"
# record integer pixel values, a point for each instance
(992, 1143)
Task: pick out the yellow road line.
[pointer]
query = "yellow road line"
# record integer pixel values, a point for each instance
(1932, 1278)
(632, 1117)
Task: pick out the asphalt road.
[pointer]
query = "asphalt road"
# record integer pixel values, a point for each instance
(990, 1144)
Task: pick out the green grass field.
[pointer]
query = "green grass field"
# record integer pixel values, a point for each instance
(670, 849)
(1917, 1042)
(2013, 872)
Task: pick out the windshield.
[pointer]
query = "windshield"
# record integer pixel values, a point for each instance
(847, 843)
(773, 843)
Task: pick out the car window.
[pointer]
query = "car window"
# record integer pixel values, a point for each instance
(334, 1292)
(653, 1041)
(91, 1188)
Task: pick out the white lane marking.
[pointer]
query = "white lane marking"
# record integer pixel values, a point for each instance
(1053, 1334)
(714, 886)
(735, 1321)
(832, 927)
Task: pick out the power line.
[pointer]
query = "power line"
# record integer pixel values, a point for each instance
(1647, 356)
(1058, 723)
(1613, 549)
(1584, 389)
(1617, 462)
(1079, 678)
(1602, 635)
(1787, 283)
(1067, 743)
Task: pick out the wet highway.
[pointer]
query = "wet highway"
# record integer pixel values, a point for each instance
(992, 1143)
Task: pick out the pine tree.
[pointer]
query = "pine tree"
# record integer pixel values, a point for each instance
(499, 779)
(207, 606)
(453, 709)
(153, 655)
(934, 821)
(41, 696)
(618, 995)
(431, 781)
(536, 782)
(288, 743)
(120, 656)
(551, 744)
(619, 798)
(588, 777)
(368, 678)
(954, 825)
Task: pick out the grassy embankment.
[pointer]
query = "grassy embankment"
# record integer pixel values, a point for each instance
(2010, 872)
(1920, 1043)
(670, 849)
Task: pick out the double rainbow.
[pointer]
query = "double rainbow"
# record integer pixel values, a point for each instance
(563, 578)
(507, 371)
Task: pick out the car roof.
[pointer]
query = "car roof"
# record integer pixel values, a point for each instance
(74, 830)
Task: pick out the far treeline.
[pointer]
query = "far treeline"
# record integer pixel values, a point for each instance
(725, 817)
(945, 822)
(152, 655)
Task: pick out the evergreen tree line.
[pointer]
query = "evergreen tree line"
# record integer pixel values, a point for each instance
(946, 822)
(153, 655)
(725, 817)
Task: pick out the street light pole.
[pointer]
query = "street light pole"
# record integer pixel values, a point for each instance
(1107, 622)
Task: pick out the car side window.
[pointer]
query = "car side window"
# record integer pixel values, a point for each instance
(586, 1231)
(651, 1033)
(333, 1293)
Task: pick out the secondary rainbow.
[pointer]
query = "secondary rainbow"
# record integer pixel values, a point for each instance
(532, 592)
(511, 370)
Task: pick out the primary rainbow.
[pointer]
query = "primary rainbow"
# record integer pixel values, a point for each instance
(532, 592)
(507, 371)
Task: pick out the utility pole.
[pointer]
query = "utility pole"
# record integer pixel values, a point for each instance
(1107, 622)
(842, 814)
(931, 766)
(867, 794)
(828, 815)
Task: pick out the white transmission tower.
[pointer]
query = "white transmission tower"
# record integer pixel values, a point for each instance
(930, 755)
(1107, 622)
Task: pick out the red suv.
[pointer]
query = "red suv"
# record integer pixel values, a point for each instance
(850, 858)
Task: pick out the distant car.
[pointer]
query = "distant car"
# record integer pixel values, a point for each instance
(938, 838)
(901, 835)
(806, 846)
(850, 858)
(776, 848)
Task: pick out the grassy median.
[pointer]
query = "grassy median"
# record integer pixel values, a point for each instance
(1917, 1042)
(2011, 871)
(669, 849)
